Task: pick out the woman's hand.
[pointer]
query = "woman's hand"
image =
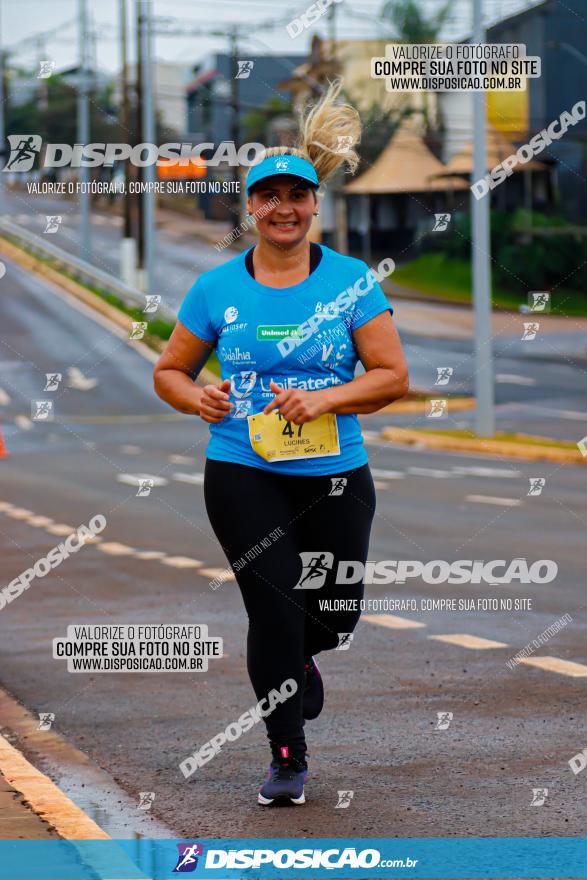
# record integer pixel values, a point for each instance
(214, 403)
(297, 406)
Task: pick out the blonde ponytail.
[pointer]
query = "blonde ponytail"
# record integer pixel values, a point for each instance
(329, 133)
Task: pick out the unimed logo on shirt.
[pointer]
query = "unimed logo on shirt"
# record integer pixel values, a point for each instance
(271, 332)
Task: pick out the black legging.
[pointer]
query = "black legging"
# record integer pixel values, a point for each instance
(286, 627)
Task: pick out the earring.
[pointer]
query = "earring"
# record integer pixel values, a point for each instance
(316, 213)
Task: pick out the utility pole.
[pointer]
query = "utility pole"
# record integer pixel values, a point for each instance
(481, 257)
(138, 172)
(148, 136)
(83, 129)
(234, 122)
(128, 255)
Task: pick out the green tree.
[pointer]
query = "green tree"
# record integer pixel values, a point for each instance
(409, 22)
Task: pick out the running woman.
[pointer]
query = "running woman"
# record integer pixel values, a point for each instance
(287, 484)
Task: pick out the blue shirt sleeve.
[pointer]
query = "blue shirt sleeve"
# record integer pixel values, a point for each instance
(369, 306)
(194, 313)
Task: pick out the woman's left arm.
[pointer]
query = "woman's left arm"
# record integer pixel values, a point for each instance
(385, 380)
(386, 372)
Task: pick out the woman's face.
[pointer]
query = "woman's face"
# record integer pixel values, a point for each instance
(287, 223)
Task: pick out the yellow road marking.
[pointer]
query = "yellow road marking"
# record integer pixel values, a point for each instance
(181, 562)
(113, 548)
(554, 664)
(392, 622)
(465, 641)
(45, 798)
(212, 573)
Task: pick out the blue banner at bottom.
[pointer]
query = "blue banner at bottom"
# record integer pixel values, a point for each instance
(312, 858)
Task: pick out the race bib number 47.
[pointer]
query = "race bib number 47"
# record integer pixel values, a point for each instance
(274, 438)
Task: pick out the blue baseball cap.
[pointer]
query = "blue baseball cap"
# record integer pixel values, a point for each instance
(288, 164)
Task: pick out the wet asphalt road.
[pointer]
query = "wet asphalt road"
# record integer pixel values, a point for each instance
(511, 731)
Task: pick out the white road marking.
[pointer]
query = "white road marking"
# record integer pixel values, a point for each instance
(512, 379)
(149, 554)
(554, 664)
(137, 479)
(197, 479)
(181, 562)
(78, 381)
(130, 449)
(493, 499)
(466, 641)
(4, 397)
(436, 473)
(180, 459)
(487, 472)
(378, 484)
(392, 622)
(387, 475)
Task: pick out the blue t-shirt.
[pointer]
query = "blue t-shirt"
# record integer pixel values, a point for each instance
(300, 336)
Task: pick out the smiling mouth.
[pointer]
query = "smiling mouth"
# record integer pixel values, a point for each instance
(289, 225)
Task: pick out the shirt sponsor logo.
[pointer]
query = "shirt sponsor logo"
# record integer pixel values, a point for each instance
(235, 354)
(231, 314)
(233, 328)
(272, 332)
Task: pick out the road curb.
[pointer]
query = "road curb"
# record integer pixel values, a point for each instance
(503, 448)
(45, 799)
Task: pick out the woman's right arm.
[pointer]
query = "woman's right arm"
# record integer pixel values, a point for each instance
(175, 372)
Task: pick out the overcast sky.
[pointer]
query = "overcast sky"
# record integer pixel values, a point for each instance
(55, 21)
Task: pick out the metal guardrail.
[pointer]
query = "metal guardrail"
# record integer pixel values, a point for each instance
(81, 270)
